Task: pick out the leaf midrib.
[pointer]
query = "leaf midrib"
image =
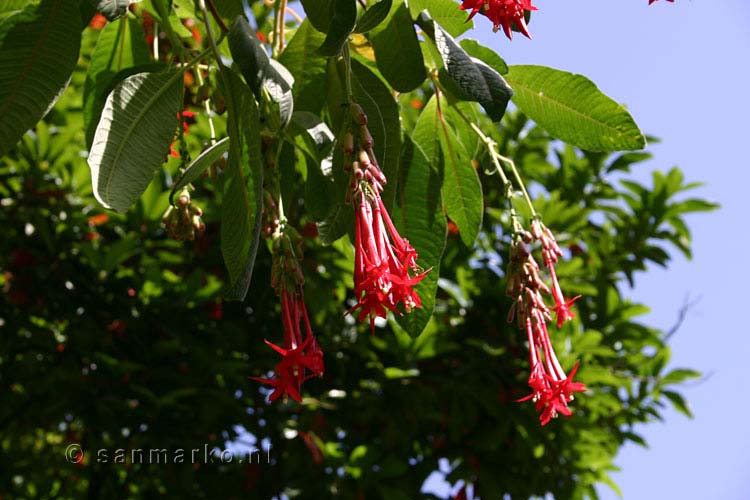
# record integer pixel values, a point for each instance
(32, 57)
(545, 97)
(131, 127)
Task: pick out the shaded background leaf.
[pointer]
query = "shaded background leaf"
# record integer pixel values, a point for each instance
(37, 56)
(133, 136)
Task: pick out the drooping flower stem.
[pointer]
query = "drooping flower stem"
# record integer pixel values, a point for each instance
(300, 351)
(498, 161)
(551, 387)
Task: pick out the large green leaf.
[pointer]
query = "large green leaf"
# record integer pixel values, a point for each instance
(121, 45)
(446, 13)
(343, 19)
(263, 75)
(475, 49)
(461, 188)
(113, 9)
(373, 16)
(229, 9)
(469, 78)
(243, 186)
(311, 135)
(136, 126)
(37, 56)
(397, 51)
(318, 13)
(420, 218)
(10, 8)
(571, 108)
(307, 66)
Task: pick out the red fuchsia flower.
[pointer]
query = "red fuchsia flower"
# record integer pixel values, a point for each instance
(385, 267)
(299, 354)
(652, 1)
(551, 387)
(550, 253)
(505, 13)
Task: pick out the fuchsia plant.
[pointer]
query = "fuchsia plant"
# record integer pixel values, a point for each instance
(350, 179)
(389, 275)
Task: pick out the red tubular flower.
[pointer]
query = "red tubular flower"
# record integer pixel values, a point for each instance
(298, 354)
(652, 1)
(550, 253)
(384, 263)
(551, 388)
(505, 13)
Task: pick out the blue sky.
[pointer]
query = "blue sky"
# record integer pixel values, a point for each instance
(683, 70)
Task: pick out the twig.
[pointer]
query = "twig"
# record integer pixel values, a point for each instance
(217, 16)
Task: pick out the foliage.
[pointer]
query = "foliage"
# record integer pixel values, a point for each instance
(113, 335)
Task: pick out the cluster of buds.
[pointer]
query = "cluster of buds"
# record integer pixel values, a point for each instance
(551, 387)
(183, 219)
(503, 13)
(385, 267)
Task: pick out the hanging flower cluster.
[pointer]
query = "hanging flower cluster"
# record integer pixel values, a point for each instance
(551, 387)
(301, 355)
(385, 264)
(503, 13)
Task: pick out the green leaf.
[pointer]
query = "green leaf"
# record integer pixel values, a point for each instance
(315, 138)
(229, 9)
(243, 187)
(263, 75)
(471, 79)
(343, 18)
(201, 163)
(397, 51)
(446, 13)
(37, 56)
(488, 56)
(319, 13)
(338, 222)
(320, 191)
(113, 9)
(136, 127)
(462, 190)
(121, 45)
(678, 402)
(420, 219)
(679, 375)
(571, 108)
(10, 8)
(373, 16)
(307, 67)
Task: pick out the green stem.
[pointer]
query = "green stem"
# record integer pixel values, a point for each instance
(217, 16)
(173, 38)
(498, 161)
(207, 107)
(209, 33)
(344, 66)
(278, 27)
